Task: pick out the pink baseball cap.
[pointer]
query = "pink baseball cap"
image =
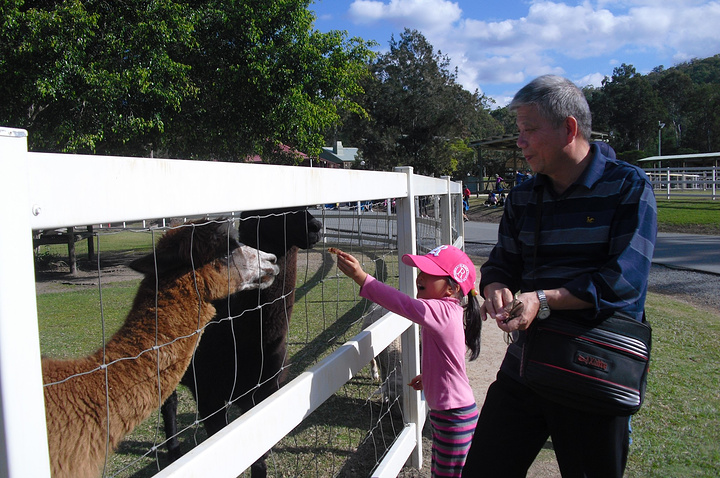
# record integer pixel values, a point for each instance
(446, 261)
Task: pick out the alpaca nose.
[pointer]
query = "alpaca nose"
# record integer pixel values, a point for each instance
(273, 269)
(271, 258)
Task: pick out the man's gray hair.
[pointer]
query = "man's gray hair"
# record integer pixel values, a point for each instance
(556, 98)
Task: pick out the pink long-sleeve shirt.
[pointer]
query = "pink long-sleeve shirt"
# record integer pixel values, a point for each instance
(444, 377)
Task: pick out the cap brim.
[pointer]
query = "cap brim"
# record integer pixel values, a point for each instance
(424, 263)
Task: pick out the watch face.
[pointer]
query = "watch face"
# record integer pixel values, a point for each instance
(543, 313)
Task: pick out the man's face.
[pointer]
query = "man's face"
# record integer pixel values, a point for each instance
(541, 143)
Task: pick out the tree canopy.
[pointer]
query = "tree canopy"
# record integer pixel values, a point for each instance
(632, 107)
(221, 80)
(213, 79)
(417, 113)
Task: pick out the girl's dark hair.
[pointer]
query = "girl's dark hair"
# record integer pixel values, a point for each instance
(473, 322)
(473, 326)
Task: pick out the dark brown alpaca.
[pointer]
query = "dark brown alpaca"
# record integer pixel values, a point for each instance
(192, 266)
(256, 337)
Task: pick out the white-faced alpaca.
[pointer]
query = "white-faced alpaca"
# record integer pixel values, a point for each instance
(387, 365)
(256, 338)
(192, 266)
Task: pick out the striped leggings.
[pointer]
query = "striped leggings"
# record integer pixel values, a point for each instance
(452, 433)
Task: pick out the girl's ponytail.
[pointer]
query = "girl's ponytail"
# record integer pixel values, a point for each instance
(473, 326)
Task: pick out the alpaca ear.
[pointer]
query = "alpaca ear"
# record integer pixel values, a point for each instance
(150, 263)
(144, 265)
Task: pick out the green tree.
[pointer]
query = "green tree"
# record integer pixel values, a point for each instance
(266, 78)
(93, 76)
(633, 109)
(674, 90)
(209, 80)
(417, 114)
(599, 101)
(703, 132)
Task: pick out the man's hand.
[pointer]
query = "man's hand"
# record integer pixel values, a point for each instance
(511, 313)
(519, 317)
(497, 297)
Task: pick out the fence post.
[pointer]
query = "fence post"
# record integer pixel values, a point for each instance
(458, 220)
(413, 405)
(23, 431)
(446, 213)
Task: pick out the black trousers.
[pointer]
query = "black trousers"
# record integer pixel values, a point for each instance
(515, 423)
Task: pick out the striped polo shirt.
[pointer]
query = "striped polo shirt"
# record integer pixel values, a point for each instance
(596, 239)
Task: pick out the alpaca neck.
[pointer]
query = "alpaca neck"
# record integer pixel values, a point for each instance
(145, 360)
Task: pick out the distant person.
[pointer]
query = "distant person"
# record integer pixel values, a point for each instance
(498, 183)
(492, 199)
(446, 280)
(466, 202)
(589, 257)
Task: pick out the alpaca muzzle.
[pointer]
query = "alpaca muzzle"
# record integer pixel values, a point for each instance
(257, 269)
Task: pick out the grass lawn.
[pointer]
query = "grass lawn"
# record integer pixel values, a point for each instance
(677, 432)
(699, 216)
(327, 313)
(692, 216)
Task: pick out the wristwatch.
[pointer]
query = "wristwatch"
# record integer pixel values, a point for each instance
(544, 311)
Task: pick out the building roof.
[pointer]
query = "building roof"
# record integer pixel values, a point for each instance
(685, 158)
(339, 154)
(508, 142)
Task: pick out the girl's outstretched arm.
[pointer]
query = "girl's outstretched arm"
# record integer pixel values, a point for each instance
(350, 266)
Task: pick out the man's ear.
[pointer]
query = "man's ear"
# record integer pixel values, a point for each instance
(571, 128)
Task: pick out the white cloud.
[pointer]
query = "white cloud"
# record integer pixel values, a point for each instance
(553, 33)
(504, 51)
(593, 79)
(423, 15)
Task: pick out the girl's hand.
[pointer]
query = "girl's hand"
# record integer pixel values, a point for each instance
(350, 266)
(416, 383)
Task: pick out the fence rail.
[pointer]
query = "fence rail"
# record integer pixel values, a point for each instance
(685, 182)
(50, 191)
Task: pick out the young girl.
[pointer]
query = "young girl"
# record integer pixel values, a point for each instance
(446, 277)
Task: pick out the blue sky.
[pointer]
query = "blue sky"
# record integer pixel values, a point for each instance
(500, 45)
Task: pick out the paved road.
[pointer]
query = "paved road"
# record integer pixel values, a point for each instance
(683, 251)
(693, 252)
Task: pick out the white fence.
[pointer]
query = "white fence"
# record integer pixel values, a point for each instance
(45, 191)
(685, 182)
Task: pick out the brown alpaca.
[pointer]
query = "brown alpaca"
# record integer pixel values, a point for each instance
(149, 354)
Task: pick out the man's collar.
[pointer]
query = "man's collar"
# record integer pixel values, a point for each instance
(594, 171)
(588, 178)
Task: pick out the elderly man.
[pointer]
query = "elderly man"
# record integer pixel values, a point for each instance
(588, 257)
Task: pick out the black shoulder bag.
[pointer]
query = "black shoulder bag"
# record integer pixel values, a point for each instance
(599, 367)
